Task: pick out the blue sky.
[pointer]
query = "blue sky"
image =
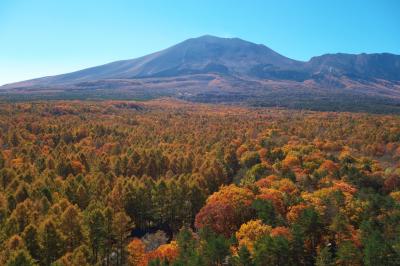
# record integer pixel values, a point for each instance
(45, 37)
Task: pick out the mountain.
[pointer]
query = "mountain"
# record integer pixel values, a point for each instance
(231, 70)
(364, 66)
(206, 54)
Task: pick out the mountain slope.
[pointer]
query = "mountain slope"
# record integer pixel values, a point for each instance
(198, 55)
(232, 70)
(363, 66)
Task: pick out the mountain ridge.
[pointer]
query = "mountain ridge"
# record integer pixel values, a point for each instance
(228, 70)
(190, 52)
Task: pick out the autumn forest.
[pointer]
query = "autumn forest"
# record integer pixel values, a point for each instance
(166, 182)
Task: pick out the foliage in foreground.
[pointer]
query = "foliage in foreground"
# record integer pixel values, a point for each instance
(81, 183)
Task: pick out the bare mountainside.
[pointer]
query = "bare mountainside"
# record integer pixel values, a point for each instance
(231, 70)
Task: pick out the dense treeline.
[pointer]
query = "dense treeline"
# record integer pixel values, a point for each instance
(170, 183)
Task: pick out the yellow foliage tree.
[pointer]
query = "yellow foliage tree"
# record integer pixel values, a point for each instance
(250, 232)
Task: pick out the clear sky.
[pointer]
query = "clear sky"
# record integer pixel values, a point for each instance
(47, 37)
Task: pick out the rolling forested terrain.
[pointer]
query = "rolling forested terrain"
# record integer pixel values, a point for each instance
(171, 183)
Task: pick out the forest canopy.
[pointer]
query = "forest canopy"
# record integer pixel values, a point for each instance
(166, 182)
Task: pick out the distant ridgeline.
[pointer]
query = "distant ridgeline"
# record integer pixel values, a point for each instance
(230, 70)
